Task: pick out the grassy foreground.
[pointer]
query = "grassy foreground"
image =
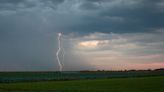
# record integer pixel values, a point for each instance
(74, 75)
(142, 84)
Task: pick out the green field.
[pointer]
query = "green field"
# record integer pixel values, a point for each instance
(141, 84)
(40, 76)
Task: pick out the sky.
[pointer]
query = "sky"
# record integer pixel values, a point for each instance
(96, 34)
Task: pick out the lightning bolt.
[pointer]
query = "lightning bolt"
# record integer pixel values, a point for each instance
(58, 52)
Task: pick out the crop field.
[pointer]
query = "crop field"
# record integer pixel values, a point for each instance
(138, 84)
(40, 76)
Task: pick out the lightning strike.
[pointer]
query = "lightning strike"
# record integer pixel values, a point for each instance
(58, 52)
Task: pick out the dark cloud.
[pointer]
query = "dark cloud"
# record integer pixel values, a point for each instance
(25, 4)
(93, 4)
(11, 1)
(89, 6)
(28, 28)
(123, 16)
(100, 1)
(54, 1)
(10, 4)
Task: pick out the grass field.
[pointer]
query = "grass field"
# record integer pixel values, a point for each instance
(141, 84)
(40, 76)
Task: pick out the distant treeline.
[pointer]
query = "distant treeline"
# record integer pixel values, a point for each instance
(160, 69)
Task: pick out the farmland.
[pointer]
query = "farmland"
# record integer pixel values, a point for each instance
(83, 81)
(40, 76)
(141, 84)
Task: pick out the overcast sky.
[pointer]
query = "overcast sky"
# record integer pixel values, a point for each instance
(97, 34)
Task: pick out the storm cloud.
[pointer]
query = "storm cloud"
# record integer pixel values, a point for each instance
(28, 32)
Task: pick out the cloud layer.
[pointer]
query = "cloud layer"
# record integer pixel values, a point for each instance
(122, 51)
(110, 32)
